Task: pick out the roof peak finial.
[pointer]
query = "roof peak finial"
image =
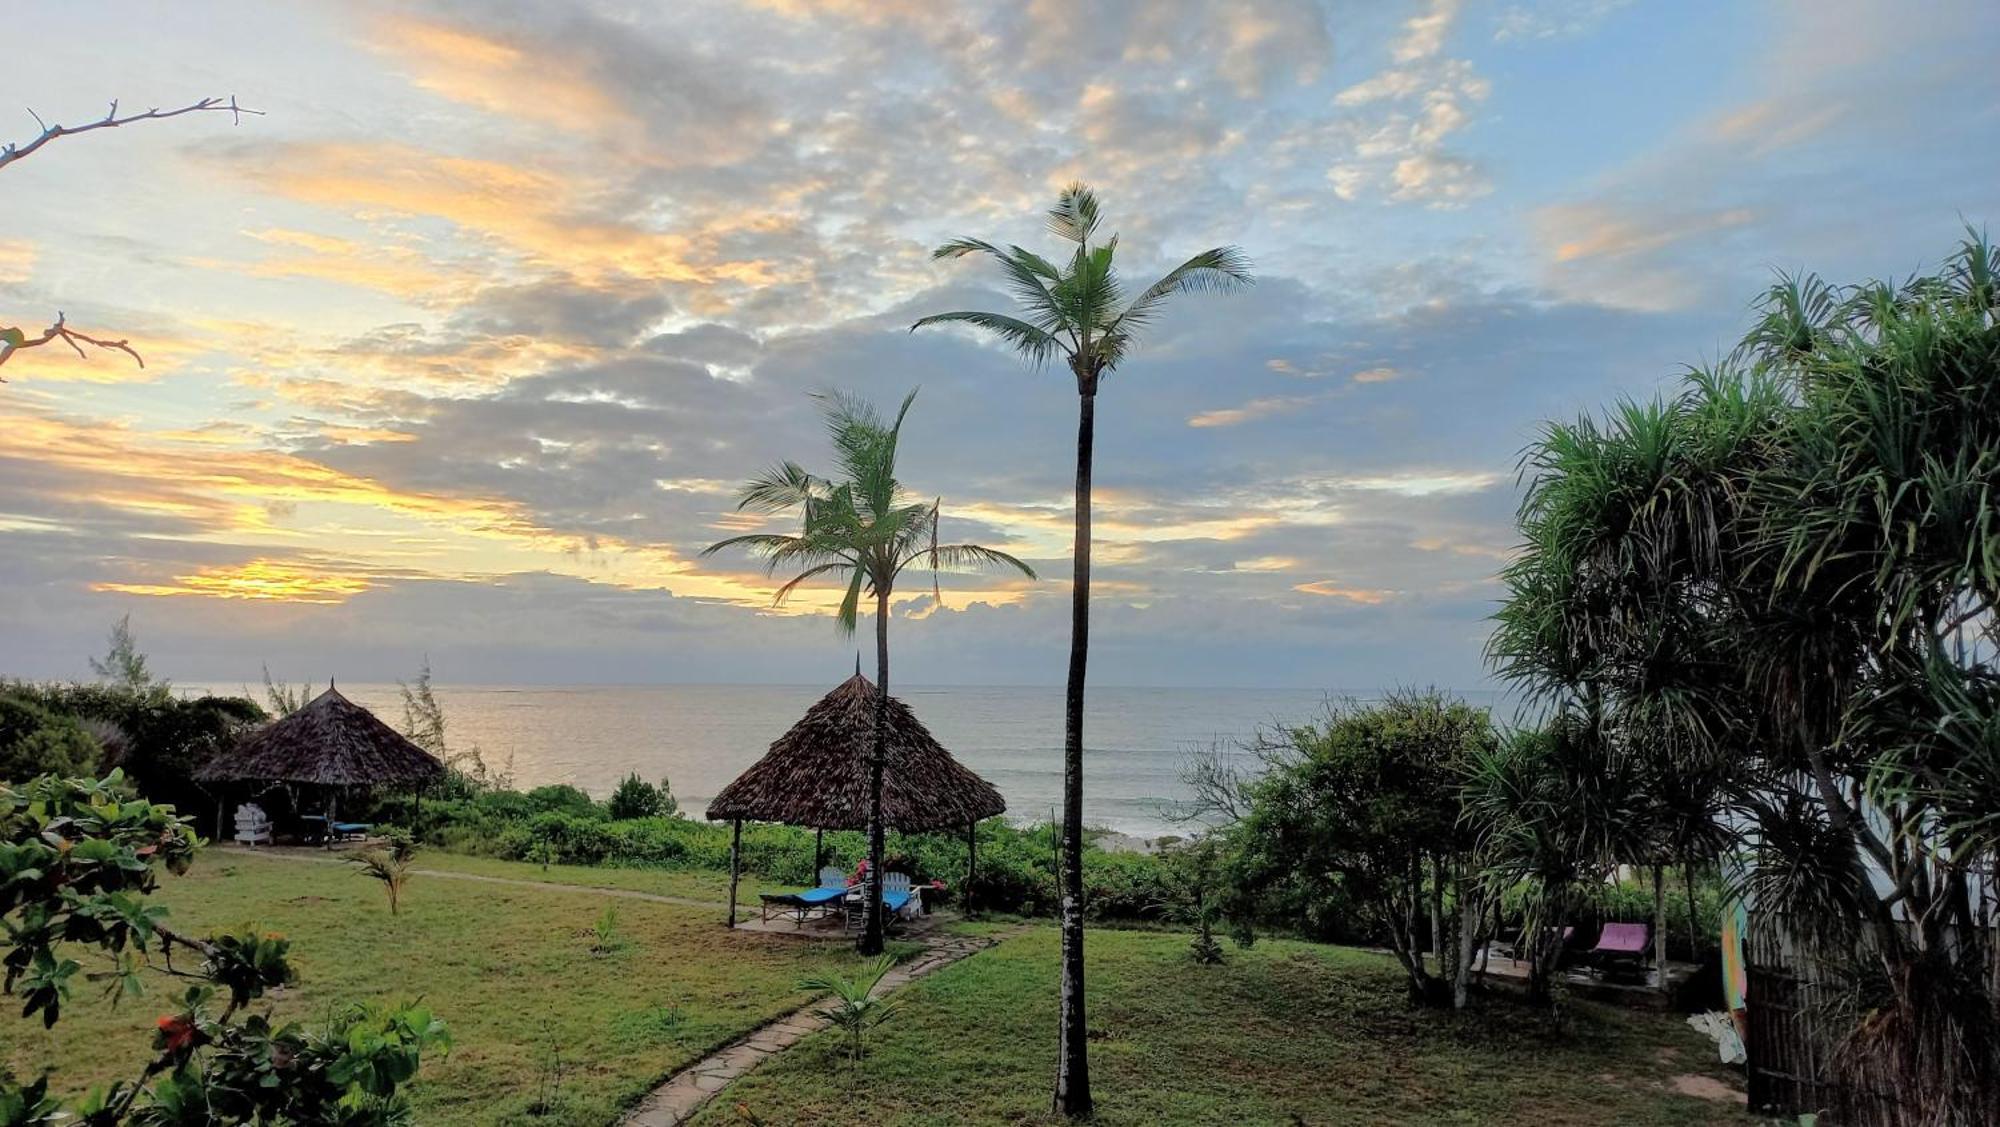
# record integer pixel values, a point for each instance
(329, 684)
(857, 663)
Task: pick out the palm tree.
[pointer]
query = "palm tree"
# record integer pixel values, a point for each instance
(1079, 312)
(866, 529)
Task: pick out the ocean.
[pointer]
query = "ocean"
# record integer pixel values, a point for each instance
(1137, 741)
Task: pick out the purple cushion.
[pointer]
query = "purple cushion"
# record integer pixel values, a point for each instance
(1623, 939)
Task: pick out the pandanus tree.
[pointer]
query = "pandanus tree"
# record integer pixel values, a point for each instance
(1790, 577)
(1079, 312)
(862, 527)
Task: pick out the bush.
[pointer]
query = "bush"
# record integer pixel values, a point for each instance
(560, 824)
(637, 798)
(35, 741)
(564, 798)
(162, 738)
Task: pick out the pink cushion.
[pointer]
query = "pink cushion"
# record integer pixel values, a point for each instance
(1623, 938)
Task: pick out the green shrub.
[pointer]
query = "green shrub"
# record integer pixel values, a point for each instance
(637, 798)
(162, 738)
(35, 741)
(564, 798)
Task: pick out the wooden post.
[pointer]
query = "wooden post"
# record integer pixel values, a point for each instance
(735, 861)
(971, 861)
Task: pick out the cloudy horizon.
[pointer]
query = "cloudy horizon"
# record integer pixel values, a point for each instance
(462, 348)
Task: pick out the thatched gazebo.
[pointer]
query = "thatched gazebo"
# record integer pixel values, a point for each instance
(816, 775)
(331, 743)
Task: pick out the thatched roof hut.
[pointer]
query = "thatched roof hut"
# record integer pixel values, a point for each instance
(330, 742)
(817, 774)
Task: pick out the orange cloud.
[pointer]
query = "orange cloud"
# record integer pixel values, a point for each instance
(260, 579)
(1331, 589)
(492, 75)
(538, 216)
(1262, 408)
(17, 260)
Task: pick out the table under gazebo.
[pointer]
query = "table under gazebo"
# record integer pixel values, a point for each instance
(330, 743)
(816, 776)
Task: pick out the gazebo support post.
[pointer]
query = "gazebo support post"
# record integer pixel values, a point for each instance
(971, 861)
(819, 852)
(735, 861)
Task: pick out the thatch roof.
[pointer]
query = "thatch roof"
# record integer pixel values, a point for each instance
(331, 741)
(817, 774)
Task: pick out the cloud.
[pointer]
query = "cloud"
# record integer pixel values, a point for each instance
(17, 260)
(1630, 259)
(1552, 20)
(1253, 410)
(262, 579)
(1328, 588)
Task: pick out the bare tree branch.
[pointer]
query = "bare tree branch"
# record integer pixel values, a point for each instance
(9, 344)
(13, 152)
(13, 339)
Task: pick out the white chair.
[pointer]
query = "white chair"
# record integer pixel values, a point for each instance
(252, 824)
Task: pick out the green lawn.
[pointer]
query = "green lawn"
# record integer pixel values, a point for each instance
(509, 968)
(710, 887)
(1284, 1033)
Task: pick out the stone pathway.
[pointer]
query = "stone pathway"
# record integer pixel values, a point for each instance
(675, 1101)
(446, 874)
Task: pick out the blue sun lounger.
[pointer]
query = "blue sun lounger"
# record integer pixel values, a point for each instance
(801, 906)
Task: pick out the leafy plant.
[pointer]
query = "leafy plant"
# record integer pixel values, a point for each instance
(1777, 594)
(851, 1005)
(77, 860)
(604, 933)
(390, 864)
(637, 798)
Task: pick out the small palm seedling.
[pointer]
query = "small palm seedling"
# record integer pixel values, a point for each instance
(390, 864)
(851, 1003)
(604, 933)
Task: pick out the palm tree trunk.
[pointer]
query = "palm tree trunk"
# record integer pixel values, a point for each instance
(871, 935)
(1072, 1064)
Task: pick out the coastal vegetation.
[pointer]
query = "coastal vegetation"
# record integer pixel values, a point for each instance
(1778, 591)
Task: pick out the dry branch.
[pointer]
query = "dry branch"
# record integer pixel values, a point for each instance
(13, 152)
(13, 340)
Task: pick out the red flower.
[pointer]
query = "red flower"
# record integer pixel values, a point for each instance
(176, 1032)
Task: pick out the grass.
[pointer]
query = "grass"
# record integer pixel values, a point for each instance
(1284, 1033)
(708, 887)
(510, 968)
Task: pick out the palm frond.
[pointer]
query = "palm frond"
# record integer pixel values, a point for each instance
(1075, 214)
(781, 487)
(1216, 270)
(1034, 343)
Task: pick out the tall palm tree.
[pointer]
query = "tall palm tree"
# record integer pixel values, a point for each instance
(1079, 312)
(865, 529)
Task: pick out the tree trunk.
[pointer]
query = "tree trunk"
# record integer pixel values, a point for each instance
(1437, 916)
(1072, 1096)
(1468, 931)
(1694, 930)
(735, 866)
(1660, 925)
(872, 934)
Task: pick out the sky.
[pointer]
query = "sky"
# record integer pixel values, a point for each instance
(461, 350)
